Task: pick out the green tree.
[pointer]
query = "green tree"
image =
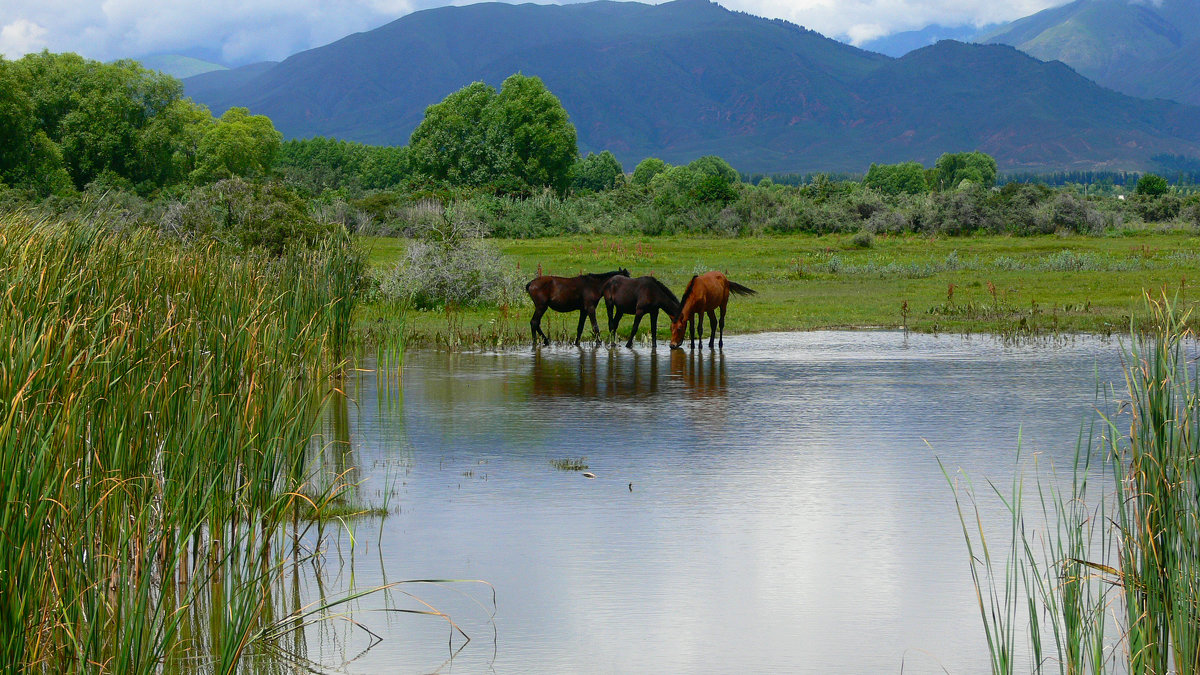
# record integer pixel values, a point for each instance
(537, 138)
(16, 125)
(515, 139)
(1151, 185)
(647, 169)
(894, 179)
(711, 165)
(95, 111)
(168, 147)
(976, 167)
(451, 144)
(596, 172)
(239, 144)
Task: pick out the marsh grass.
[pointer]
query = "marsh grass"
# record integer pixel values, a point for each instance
(1111, 582)
(155, 406)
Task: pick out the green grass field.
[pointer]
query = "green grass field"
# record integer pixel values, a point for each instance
(994, 284)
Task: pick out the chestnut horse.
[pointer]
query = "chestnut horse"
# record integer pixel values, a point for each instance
(567, 294)
(704, 294)
(640, 296)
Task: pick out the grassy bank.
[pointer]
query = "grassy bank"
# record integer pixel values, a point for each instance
(985, 283)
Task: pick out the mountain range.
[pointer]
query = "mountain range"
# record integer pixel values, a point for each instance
(1149, 49)
(688, 78)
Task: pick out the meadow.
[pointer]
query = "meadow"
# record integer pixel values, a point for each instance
(1032, 285)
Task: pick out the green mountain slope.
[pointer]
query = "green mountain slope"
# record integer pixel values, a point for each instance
(688, 78)
(179, 66)
(1141, 49)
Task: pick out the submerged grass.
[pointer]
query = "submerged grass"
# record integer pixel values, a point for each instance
(569, 464)
(155, 406)
(1112, 582)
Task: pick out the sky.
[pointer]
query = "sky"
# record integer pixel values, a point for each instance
(236, 32)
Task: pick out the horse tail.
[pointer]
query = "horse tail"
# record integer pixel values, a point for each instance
(741, 290)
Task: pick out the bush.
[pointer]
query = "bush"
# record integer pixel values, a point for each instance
(245, 215)
(862, 240)
(448, 263)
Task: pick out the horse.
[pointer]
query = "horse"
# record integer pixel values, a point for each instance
(567, 294)
(638, 297)
(704, 294)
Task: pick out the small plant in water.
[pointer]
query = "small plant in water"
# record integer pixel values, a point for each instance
(568, 464)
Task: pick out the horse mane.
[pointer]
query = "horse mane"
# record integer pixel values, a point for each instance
(688, 291)
(604, 276)
(676, 307)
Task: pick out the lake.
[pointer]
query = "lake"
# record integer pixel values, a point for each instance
(775, 507)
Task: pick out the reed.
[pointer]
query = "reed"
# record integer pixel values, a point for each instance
(1111, 583)
(155, 406)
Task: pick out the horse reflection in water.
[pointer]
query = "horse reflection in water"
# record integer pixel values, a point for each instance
(593, 373)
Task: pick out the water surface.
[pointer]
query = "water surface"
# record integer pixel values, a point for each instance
(775, 507)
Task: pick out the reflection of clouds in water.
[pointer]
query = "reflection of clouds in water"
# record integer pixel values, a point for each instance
(787, 513)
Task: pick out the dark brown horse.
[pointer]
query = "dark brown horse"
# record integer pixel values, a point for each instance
(704, 294)
(567, 294)
(640, 296)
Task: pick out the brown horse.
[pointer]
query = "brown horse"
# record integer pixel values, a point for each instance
(704, 294)
(567, 294)
(640, 296)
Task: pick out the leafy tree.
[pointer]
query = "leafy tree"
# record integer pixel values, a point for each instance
(94, 111)
(596, 172)
(975, 167)
(894, 179)
(167, 148)
(451, 143)
(711, 189)
(517, 139)
(16, 124)
(647, 169)
(531, 127)
(239, 144)
(711, 165)
(1151, 185)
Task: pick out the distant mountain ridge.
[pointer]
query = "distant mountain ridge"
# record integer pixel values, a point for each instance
(899, 44)
(688, 78)
(177, 65)
(1149, 49)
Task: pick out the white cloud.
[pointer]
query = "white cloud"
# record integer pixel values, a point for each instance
(240, 31)
(21, 37)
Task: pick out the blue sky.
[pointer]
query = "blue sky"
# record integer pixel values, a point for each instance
(242, 31)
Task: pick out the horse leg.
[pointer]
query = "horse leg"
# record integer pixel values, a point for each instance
(614, 324)
(721, 342)
(535, 325)
(699, 319)
(692, 331)
(654, 328)
(595, 326)
(579, 330)
(637, 318)
(712, 328)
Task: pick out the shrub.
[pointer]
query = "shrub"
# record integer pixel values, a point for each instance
(245, 215)
(862, 240)
(448, 263)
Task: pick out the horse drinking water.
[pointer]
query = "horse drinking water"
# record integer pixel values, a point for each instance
(704, 294)
(638, 297)
(567, 294)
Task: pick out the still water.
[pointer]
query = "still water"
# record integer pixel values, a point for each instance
(775, 507)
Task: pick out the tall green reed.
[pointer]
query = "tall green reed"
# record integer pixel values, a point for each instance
(155, 406)
(1112, 581)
